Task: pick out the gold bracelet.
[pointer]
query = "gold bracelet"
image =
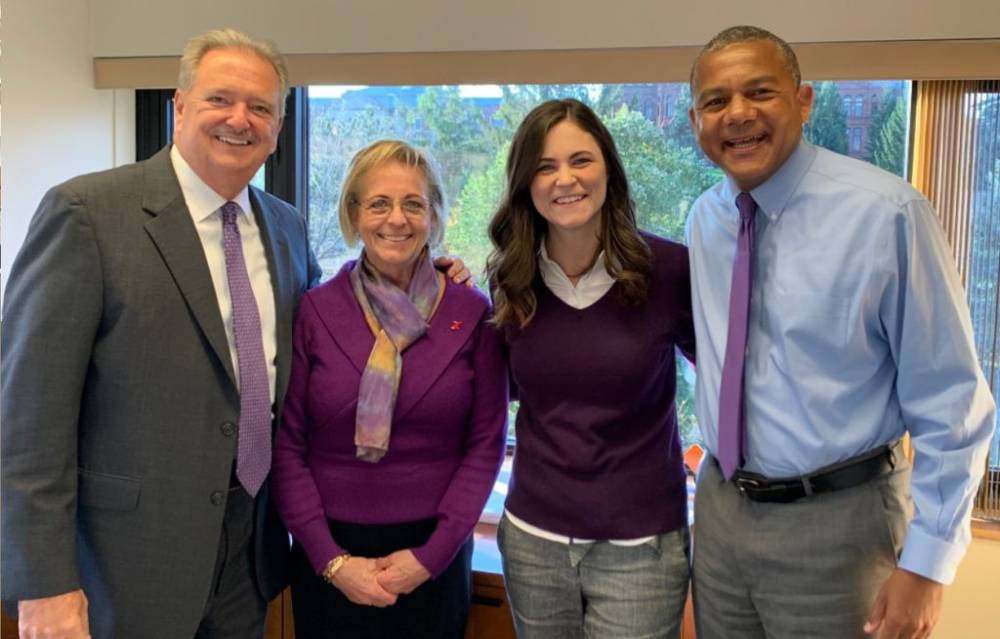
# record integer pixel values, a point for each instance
(334, 566)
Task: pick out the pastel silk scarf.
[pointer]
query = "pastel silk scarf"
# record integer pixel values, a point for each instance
(397, 319)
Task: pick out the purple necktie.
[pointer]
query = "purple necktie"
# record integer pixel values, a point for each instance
(253, 454)
(731, 411)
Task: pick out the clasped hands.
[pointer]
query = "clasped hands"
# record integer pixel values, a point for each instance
(378, 582)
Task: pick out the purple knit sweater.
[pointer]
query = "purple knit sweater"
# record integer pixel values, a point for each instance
(598, 453)
(448, 428)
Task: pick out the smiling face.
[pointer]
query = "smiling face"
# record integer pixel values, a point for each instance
(393, 218)
(571, 180)
(747, 112)
(226, 123)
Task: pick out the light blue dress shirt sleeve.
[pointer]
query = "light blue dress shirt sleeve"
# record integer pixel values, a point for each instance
(859, 331)
(944, 400)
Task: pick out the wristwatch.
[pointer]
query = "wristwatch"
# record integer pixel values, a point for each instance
(335, 565)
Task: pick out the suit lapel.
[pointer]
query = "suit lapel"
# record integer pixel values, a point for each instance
(172, 230)
(451, 327)
(424, 362)
(341, 315)
(282, 284)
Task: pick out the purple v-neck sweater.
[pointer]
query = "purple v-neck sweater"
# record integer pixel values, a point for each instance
(598, 454)
(448, 427)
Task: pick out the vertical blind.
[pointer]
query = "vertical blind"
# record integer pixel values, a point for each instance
(956, 164)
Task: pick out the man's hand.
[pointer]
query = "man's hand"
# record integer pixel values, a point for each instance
(401, 572)
(907, 607)
(356, 579)
(60, 617)
(454, 268)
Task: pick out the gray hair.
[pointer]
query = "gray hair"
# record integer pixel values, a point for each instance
(746, 33)
(379, 154)
(198, 46)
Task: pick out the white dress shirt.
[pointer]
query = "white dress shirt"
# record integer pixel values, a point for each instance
(592, 286)
(204, 205)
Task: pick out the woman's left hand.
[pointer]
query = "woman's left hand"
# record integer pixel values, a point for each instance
(454, 268)
(401, 573)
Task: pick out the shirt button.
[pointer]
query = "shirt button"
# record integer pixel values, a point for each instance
(216, 498)
(228, 429)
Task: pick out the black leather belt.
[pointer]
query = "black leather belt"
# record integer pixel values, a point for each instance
(845, 474)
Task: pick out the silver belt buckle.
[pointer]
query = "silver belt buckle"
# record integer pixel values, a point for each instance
(743, 482)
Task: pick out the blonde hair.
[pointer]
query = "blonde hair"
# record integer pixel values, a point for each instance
(378, 154)
(198, 46)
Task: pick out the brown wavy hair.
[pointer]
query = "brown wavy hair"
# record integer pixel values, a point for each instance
(517, 229)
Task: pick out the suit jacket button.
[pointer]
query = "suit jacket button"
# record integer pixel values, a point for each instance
(228, 429)
(216, 498)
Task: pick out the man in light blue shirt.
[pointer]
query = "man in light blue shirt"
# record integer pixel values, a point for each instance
(857, 332)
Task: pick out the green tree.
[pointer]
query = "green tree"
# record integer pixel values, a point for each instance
(453, 133)
(664, 178)
(335, 135)
(467, 233)
(887, 134)
(518, 100)
(679, 128)
(827, 125)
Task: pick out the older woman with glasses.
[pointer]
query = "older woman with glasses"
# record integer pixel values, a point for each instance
(394, 422)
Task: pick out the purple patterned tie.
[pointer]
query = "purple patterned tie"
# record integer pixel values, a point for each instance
(731, 411)
(253, 454)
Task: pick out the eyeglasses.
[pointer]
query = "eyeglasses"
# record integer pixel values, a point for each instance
(413, 206)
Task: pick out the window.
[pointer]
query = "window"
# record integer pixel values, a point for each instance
(467, 128)
(956, 163)
(859, 106)
(855, 139)
(832, 125)
(983, 275)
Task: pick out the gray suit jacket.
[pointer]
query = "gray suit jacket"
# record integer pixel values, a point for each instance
(117, 387)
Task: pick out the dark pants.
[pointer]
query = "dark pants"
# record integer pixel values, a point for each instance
(235, 608)
(437, 609)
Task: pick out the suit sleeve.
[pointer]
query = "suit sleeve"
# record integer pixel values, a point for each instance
(463, 501)
(51, 313)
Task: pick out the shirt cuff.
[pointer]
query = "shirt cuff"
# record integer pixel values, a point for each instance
(930, 556)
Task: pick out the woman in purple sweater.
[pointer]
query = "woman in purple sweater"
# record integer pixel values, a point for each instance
(393, 424)
(594, 537)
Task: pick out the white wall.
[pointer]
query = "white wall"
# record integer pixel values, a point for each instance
(55, 124)
(970, 604)
(355, 26)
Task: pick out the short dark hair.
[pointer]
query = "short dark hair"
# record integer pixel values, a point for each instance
(746, 33)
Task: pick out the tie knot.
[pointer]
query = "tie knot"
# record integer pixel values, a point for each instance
(229, 212)
(745, 203)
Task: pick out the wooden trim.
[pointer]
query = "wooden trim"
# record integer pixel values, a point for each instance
(915, 60)
(984, 529)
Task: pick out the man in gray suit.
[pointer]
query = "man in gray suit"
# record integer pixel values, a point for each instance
(130, 507)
